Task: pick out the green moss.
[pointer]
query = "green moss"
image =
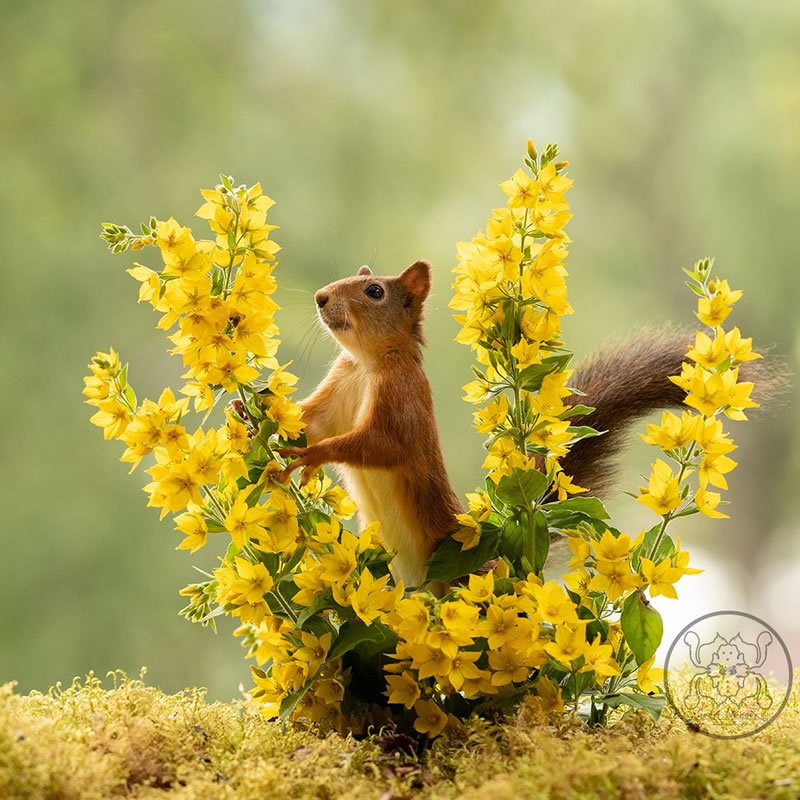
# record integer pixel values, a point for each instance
(131, 740)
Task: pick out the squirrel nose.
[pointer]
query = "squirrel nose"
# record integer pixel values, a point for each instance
(321, 298)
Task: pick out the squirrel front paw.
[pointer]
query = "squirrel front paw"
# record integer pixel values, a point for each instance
(304, 457)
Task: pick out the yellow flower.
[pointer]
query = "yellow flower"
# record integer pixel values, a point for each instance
(499, 626)
(563, 485)
(479, 504)
(280, 521)
(282, 382)
(339, 501)
(430, 661)
(707, 502)
(712, 438)
(708, 352)
(244, 523)
(522, 190)
(368, 600)
(310, 583)
(329, 690)
(338, 565)
(550, 694)
(463, 668)
(253, 583)
(599, 659)
(663, 492)
(569, 644)
(526, 353)
(287, 414)
(469, 534)
(481, 588)
(193, 525)
(674, 431)
(614, 578)
(712, 311)
(615, 548)
(508, 666)
(504, 259)
(681, 560)
(172, 237)
(552, 436)
(554, 606)
(430, 718)
(580, 550)
(447, 641)
(647, 677)
(740, 349)
(660, 577)
(491, 417)
(553, 186)
(403, 689)
(174, 487)
(713, 468)
(475, 391)
(459, 616)
(314, 650)
(579, 582)
(113, 417)
(502, 458)
(410, 619)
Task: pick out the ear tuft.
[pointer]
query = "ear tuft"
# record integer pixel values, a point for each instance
(416, 280)
(365, 270)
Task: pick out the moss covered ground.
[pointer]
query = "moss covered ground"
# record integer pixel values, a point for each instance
(130, 740)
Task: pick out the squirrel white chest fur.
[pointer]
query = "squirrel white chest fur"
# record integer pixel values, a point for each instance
(374, 491)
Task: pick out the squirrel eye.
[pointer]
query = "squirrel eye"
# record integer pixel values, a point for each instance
(375, 291)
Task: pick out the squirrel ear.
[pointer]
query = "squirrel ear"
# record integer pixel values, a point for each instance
(416, 280)
(365, 270)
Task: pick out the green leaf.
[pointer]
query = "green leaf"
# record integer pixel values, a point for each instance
(521, 487)
(291, 700)
(642, 627)
(652, 704)
(541, 542)
(577, 410)
(531, 377)
(449, 561)
(353, 634)
(582, 432)
(667, 547)
(232, 551)
(321, 602)
(511, 540)
(509, 327)
(587, 505)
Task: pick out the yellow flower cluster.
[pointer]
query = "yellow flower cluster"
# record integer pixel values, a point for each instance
(697, 442)
(333, 576)
(487, 638)
(511, 291)
(335, 638)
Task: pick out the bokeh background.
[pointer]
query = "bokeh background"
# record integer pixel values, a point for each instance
(381, 130)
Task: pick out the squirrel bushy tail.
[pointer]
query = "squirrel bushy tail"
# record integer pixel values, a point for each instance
(629, 381)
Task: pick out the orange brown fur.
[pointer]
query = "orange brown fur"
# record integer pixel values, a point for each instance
(373, 415)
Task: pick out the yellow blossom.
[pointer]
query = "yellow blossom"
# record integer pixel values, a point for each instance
(569, 644)
(647, 676)
(403, 689)
(663, 492)
(430, 718)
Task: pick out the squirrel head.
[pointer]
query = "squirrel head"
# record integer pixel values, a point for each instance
(366, 311)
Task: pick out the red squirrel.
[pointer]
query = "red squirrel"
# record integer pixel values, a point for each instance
(372, 415)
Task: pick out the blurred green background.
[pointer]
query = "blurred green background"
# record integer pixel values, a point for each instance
(381, 130)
